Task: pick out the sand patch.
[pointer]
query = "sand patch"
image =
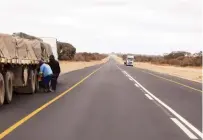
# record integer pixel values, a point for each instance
(67, 66)
(190, 73)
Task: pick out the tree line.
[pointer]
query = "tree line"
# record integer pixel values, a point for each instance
(177, 58)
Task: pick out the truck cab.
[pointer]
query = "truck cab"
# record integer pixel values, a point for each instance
(129, 60)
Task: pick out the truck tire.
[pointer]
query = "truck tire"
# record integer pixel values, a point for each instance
(32, 82)
(2, 89)
(8, 87)
(25, 75)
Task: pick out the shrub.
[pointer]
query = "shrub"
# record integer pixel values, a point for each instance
(179, 58)
(65, 51)
(174, 62)
(88, 56)
(79, 57)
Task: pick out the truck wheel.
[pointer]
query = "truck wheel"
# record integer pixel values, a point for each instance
(2, 89)
(8, 87)
(30, 87)
(25, 75)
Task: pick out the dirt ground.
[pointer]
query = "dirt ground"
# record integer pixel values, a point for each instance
(190, 73)
(67, 66)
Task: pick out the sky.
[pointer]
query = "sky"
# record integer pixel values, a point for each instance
(122, 26)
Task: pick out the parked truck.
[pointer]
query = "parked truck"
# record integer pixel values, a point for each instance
(19, 58)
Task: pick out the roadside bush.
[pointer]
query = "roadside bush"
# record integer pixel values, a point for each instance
(124, 57)
(79, 57)
(174, 62)
(198, 61)
(66, 51)
(175, 55)
(84, 56)
(179, 58)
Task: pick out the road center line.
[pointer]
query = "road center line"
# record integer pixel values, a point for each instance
(149, 97)
(32, 114)
(188, 124)
(184, 129)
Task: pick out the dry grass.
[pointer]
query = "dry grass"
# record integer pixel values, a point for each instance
(178, 58)
(84, 56)
(190, 73)
(67, 66)
(194, 74)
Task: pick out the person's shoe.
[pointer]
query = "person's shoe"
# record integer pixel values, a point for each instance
(51, 90)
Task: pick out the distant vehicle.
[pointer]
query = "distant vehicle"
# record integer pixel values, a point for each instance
(129, 60)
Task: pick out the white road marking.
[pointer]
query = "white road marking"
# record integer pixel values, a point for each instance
(136, 85)
(188, 124)
(147, 95)
(130, 79)
(125, 73)
(119, 68)
(184, 129)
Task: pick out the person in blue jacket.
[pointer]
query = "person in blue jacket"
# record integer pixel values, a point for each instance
(47, 73)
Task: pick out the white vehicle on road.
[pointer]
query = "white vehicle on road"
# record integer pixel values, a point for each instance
(129, 60)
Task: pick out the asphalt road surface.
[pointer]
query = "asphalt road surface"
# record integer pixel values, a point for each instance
(107, 102)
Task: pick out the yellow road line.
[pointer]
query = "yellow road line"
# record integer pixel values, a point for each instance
(23, 120)
(174, 82)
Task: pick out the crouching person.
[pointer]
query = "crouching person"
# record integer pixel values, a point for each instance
(47, 73)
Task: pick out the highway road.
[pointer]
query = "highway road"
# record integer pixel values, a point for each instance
(107, 102)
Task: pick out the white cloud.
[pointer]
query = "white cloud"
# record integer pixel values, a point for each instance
(58, 20)
(145, 26)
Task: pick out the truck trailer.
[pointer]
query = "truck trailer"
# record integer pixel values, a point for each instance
(19, 64)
